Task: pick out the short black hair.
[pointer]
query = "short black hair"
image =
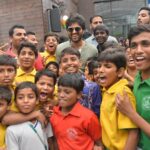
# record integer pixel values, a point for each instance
(71, 51)
(74, 81)
(29, 45)
(30, 33)
(51, 35)
(91, 18)
(114, 55)
(5, 94)
(24, 85)
(92, 65)
(136, 30)
(101, 28)
(17, 26)
(76, 19)
(8, 61)
(145, 8)
(47, 73)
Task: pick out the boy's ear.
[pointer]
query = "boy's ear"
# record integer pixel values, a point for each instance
(121, 72)
(10, 39)
(79, 96)
(37, 101)
(80, 63)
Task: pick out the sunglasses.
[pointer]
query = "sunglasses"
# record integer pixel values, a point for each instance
(77, 29)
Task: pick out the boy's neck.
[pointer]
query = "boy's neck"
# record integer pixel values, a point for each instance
(132, 72)
(51, 53)
(66, 111)
(27, 70)
(145, 75)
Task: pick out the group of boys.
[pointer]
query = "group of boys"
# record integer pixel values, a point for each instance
(74, 126)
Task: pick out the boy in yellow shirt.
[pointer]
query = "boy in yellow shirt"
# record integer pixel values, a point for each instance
(5, 100)
(118, 131)
(27, 54)
(51, 40)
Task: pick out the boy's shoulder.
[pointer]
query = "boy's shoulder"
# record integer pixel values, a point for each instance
(77, 111)
(16, 129)
(119, 86)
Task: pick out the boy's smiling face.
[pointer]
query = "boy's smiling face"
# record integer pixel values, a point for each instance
(70, 63)
(109, 74)
(140, 48)
(46, 87)
(51, 44)
(67, 98)
(26, 58)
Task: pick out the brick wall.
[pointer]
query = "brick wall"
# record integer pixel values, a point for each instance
(28, 13)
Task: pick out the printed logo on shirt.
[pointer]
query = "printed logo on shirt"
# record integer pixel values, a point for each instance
(146, 103)
(72, 133)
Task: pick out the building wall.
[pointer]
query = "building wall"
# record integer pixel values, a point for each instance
(119, 15)
(27, 13)
(86, 8)
(33, 14)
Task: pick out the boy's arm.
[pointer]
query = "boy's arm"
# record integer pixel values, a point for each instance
(124, 105)
(132, 140)
(15, 118)
(94, 131)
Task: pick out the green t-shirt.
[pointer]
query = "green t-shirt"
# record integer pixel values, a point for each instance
(141, 91)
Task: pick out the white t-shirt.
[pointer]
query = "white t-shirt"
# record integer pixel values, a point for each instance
(24, 137)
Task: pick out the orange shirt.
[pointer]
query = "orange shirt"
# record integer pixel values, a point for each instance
(77, 130)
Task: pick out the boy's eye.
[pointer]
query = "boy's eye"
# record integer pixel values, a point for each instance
(31, 53)
(10, 70)
(133, 45)
(1, 70)
(31, 96)
(50, 85)
(65, 60)
(145, 43)
(20, 97)
(67, 91)
(108, 66)
(73, 59)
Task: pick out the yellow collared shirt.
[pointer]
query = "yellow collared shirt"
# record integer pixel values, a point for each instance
(115, 125)
(47, 57)
(23, 76)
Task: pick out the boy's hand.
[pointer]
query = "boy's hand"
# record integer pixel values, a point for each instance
(97, 147)
(123, 104)
(3, 148)
(40, 117)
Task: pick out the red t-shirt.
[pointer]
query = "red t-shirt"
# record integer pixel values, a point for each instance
(77, 130)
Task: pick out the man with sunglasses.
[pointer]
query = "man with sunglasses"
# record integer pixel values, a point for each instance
(75, 26)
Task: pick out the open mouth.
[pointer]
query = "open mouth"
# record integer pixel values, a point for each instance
(102, 79)
(43, 96)
(139, 58)
(131, 60)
